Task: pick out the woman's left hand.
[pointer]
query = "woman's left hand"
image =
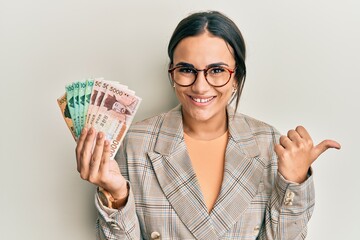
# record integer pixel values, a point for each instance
(296, 152)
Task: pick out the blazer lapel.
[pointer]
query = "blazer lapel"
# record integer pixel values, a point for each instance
(177, 179)
(242, 175)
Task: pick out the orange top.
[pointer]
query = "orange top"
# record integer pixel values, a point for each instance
(208, 159)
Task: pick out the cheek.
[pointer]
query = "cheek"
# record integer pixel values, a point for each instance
(178, 89)
(179, 94)
(227, 93)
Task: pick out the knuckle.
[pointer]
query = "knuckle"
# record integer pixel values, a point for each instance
(88, 139)
(92, 161)
(277, 148)
(92, 178)
(283, 139)
(83, 175)
(300, 145)
(291, 133)
(84, 155)
(285, 154)
(106, 150)
(300, 127)
(99, 143)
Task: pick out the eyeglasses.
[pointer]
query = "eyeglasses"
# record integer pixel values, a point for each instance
(185, 76)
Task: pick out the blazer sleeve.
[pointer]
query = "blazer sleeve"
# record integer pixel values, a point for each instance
(290, 206)
(122, 223)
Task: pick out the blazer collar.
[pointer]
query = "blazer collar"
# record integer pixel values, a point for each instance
(172, 133)
(241, 133)
(242, 174)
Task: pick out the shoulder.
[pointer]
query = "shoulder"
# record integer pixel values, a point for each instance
(152, 125)
(259, 127)
(147, 126)
(148, 130)
(143, 136)
(265, 135)
(248, 127)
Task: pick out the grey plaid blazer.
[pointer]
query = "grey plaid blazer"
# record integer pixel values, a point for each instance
(165, 201)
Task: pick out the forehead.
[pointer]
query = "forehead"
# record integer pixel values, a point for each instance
(203, 50)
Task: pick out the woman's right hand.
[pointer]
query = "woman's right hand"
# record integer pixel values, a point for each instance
(96, 166)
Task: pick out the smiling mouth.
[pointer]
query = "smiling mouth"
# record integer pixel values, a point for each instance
(202, 100)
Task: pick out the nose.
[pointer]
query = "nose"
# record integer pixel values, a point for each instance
(200, 85)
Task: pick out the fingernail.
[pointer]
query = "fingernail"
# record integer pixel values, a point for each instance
(83, 131)
(91, 131)
(106, 143)
(100, 135)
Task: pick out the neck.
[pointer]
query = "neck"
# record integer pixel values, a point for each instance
(205, 130)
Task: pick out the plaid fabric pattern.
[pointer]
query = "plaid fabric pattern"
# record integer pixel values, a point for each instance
(165, 196)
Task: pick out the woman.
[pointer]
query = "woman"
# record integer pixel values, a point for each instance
(202, 170)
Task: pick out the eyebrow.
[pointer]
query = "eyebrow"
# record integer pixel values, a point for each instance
(185, 64)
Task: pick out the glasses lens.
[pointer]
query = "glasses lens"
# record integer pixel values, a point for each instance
(184, 75)
(218, 76)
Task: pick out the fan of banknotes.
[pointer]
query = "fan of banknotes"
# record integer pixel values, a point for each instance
(107, 106)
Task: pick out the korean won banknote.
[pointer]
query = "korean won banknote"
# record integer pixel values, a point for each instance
(107, 106)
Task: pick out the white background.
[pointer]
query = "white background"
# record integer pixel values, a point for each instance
(303, 68)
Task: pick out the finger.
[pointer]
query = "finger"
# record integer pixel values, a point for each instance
(79, 146)
(86, 153)
(285, 141)
(279, 150)
(105, 159)
(294, 136)
(303, 132)
(96, 158)
(323, 146)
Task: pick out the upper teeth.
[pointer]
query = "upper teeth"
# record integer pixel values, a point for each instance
(202, 100)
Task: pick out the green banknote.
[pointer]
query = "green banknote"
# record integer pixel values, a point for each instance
(77, 107)
(82, 88)
(71, 105)
(88, 91)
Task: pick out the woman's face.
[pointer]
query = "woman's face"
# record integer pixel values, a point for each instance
(201, 101)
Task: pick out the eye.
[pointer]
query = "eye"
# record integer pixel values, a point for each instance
(216, 70)
(187, 70)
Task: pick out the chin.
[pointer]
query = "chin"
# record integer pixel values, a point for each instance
(201, 116)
